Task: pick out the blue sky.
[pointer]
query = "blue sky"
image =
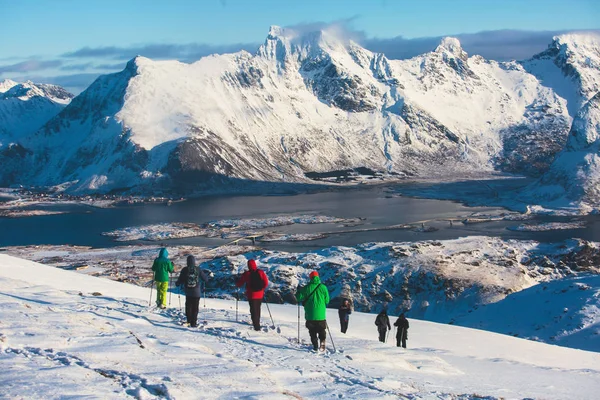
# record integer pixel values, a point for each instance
(71, 42)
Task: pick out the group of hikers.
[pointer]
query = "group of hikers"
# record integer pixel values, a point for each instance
(314, 297)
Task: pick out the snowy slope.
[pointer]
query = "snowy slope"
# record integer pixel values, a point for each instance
(26, 107)
(70, 335)
(311, 102)
(449, 281)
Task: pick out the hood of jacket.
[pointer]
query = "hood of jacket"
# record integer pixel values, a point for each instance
(191, 261)
(163, 253)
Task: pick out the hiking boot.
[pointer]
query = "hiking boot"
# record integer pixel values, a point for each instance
(322, 348)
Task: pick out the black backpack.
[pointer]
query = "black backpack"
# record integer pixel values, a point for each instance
(192, 279)
(256, 282)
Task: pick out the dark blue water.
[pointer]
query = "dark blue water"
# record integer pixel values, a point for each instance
(84, 225)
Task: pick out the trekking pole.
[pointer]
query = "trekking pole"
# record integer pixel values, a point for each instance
(330, 337)
(170, 289)
(179, 295)
(273, 322)
(237, 298)
(298, 322)
(151, 287)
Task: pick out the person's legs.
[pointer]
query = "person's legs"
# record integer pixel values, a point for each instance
(381, 335)
(188, 305)
(344, 326)
(322, 331)
(312, 331)
(161, 293)
(255, 312)
(194, 303)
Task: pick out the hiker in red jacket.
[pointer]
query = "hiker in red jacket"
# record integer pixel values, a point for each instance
(256, 282)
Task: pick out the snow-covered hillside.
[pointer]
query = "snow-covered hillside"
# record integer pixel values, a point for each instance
(66, 334)
(449, 281)
(312, 103)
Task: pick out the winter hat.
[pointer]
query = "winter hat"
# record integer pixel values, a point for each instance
(313, 274)
(251, 264)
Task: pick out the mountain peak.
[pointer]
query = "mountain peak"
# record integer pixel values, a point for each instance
(451, 45)
(6, 84)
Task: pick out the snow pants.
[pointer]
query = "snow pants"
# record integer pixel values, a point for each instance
(255, 312)
(401, 337)
(382, 332)
(344, 324)
(161, 293)
(191, 310)
(317, 331)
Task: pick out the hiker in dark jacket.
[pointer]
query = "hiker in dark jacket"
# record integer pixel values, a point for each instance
(314, 298)
(344, 312)
(383, 324)
(256, 281)
(162, 267)
(189, 279)
(402, 334)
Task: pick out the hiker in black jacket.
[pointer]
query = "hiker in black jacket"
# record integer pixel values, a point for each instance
(189, 279)
(344, 312)
(402, 334)
(383, 324)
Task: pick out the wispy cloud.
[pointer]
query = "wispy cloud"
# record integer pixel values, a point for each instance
(77, 67)
(30, 65)
(183, 52)
(501, 45)
(110, 67)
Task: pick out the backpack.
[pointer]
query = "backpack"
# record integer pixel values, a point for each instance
(379, 320)
(256, 282)
(192, 278)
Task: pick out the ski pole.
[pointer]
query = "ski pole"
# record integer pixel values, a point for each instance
(331, 337)
(151, 287)
(273, 322)
(298, 322)
(387, 336)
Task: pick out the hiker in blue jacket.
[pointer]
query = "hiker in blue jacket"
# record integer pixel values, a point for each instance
(189, 279)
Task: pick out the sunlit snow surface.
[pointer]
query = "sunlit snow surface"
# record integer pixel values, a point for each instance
(65, 334)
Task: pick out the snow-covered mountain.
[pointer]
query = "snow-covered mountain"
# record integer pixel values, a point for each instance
(575, 174)
(26, 107)
(311, 103)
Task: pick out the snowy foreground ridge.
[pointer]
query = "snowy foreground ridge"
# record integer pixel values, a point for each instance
(65, 334)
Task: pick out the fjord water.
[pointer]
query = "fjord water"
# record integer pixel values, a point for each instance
(378, 209)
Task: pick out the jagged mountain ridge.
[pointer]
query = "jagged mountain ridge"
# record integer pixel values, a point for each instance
(301, 103)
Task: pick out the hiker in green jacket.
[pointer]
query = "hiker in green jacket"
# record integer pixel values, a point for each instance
(162, 267)
(314, 298)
